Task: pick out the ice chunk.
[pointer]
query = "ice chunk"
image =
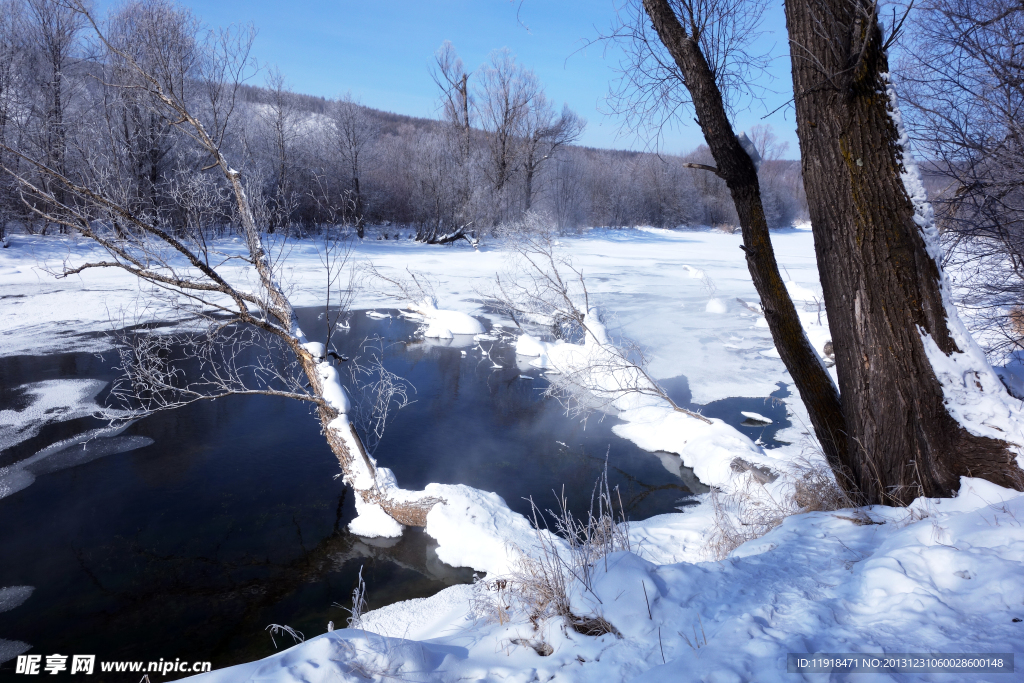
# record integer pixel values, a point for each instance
(14, 596)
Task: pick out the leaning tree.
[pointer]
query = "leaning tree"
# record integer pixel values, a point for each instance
(707, 60)
(919, 405)
(190, 82)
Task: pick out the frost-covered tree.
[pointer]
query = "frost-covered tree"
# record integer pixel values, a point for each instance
(353, 132)
(92, 202)
(960, 77)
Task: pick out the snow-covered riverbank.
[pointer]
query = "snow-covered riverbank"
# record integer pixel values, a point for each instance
(942, 576)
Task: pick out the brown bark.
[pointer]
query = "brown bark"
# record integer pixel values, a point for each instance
(880, 285)
(735, 166)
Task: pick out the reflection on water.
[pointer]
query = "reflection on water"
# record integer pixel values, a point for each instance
(189, 532)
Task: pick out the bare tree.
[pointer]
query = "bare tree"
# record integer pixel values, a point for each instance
(452, 80)
(702, 45)
(281, 119)
(543, 134)
(133, 137)
(895, 330)
(11, 95)
(506, 94)
(257, 312)
(458, 107)
(52, 30)
(354, 132)
(960, 76)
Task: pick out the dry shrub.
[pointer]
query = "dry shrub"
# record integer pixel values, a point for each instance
(1016, 316)
(816, 489)
(752, 511)
(541, 581)
(742, 516)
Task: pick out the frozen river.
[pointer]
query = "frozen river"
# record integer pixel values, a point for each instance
(192, 530)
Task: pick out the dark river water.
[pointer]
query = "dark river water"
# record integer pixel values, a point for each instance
(225, 516)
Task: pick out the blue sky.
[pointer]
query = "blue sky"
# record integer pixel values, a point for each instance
(382, 50)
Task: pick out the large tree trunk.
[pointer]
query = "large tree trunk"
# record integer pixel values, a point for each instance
(882, 288)
(735, 166)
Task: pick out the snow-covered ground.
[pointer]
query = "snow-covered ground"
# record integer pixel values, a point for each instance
(941, 576)
(637, 276)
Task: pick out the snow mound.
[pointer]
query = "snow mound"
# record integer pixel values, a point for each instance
(444, 324)
(372, 522)
(716, 306)
(477, 529)
(420, 618)
(800, 293)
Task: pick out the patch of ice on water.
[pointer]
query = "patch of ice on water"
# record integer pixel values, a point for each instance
(9, 649)
(54, 400)
(14, 596)
(77, 450)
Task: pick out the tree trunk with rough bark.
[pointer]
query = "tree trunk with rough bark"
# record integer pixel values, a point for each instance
(735, 166)
(882, 288)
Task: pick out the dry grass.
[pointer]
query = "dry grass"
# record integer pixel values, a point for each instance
(1016, 317)
(752, 511)
(541, 581)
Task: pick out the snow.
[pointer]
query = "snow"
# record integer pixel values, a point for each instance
(756, 417)
(477, 529)
(708, 446)
(346, 655)
(716, 306)
(941, 575)
(444, 324)
(420, 618)
(800, 293)
(55, 400)
(372, 522)
(645, 277)
(333, 392)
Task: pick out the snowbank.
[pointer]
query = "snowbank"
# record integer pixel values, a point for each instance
(941, 576)
(477, 529)
(708, 446)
